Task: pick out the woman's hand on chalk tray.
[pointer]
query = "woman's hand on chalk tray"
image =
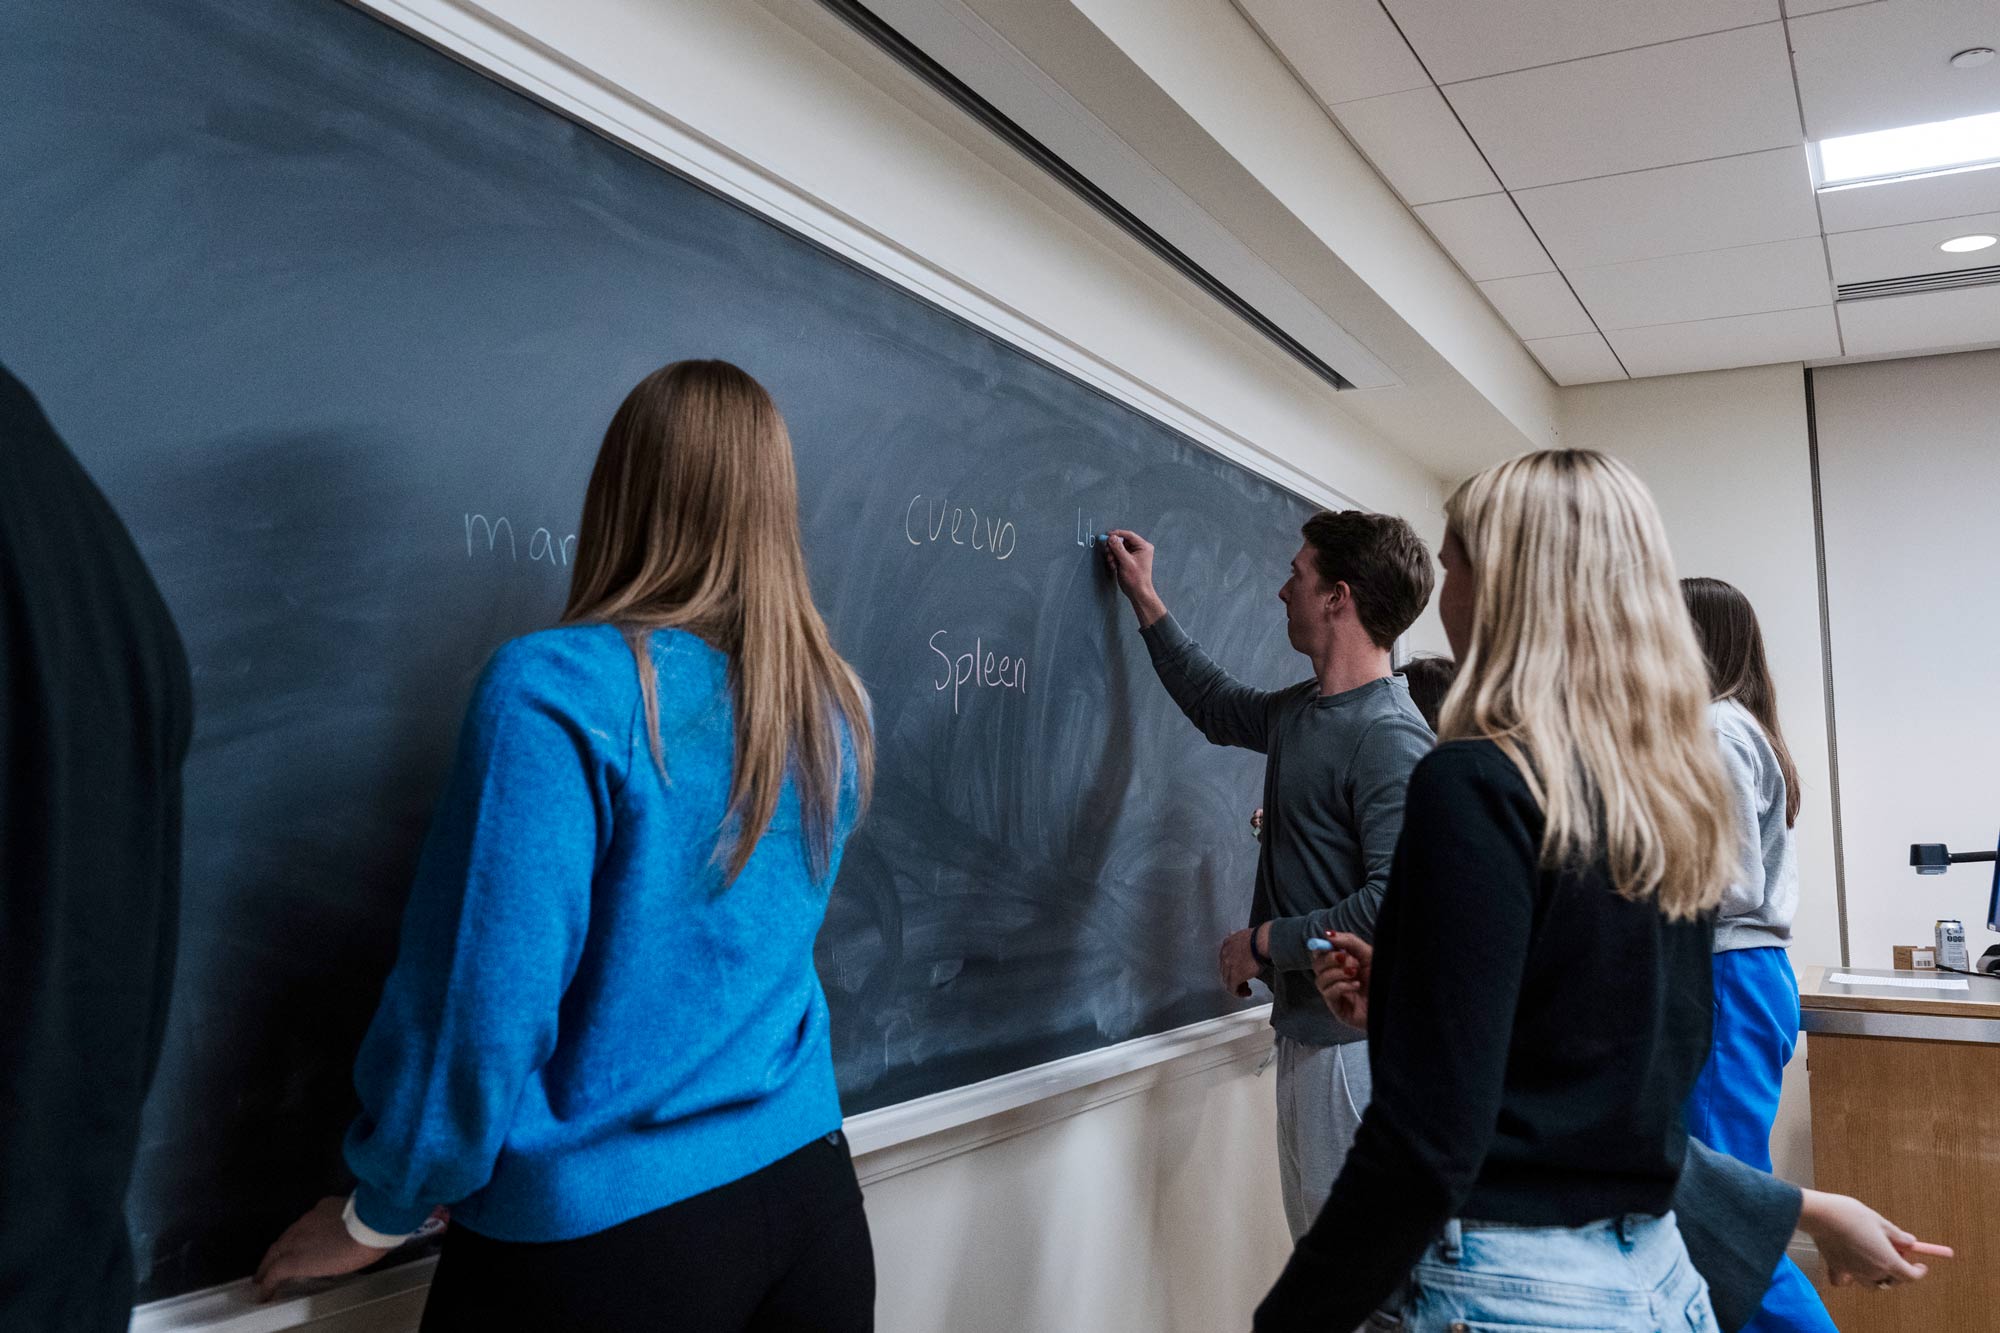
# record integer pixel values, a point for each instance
(317, 1245)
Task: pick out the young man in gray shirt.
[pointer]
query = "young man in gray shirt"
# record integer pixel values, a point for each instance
(1339, 751)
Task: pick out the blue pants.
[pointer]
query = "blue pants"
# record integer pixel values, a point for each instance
(1735, 1099)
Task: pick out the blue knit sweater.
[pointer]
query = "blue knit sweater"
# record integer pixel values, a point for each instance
(582, 1025)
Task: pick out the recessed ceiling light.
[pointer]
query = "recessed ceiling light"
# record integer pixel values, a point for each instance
(1910, 150)
(1959, 245)
(1972, 57)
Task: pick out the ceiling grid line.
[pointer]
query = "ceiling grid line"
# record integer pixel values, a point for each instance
(1514, 203)
(1595, 55)
(1825, 245)
(1631, 186)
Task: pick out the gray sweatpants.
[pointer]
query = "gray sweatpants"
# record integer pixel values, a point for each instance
(1322, 1091)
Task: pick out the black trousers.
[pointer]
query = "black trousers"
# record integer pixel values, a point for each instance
(783, 1250)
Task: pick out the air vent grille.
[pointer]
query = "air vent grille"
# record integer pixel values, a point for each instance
(1921, 282)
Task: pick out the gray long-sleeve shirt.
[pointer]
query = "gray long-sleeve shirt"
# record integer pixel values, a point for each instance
(1758, 907)
(1335, 770)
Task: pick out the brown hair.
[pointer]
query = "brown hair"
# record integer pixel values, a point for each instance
(1429, 678)
(691, 521)
(1382, 561)
(1726, 625)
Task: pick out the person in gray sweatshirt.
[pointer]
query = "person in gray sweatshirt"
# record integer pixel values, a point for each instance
(1339, 749)
(1735, 1098)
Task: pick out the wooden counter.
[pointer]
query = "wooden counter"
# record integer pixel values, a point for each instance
(1906, 1116)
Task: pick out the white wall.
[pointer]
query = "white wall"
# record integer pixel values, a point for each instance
(1910, 472)
(1726, 455)
(1156, 1212)
(781, 104)
(1214, 63)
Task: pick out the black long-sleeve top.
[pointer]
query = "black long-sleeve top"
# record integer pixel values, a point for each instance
(95, 712)
(1532, 1034)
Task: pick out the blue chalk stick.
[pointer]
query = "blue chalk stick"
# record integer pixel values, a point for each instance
(1317, 945)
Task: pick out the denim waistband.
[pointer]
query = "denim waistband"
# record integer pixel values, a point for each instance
(1631, 1232)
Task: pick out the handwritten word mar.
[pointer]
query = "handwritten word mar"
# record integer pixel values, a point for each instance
(979, 668)
(495, 536)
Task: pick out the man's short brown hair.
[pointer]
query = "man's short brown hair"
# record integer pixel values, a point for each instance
(1383, 562)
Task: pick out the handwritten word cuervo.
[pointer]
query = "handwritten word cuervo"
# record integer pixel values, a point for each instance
(979, 668)
(941, 521)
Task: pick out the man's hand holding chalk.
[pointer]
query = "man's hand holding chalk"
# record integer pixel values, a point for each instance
(1129, 557)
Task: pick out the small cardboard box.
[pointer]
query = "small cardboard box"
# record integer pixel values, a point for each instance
(1916, 957)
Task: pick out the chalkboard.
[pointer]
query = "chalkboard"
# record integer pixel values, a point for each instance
(338, 323)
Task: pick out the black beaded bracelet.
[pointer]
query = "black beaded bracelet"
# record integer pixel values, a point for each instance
(1263, 959)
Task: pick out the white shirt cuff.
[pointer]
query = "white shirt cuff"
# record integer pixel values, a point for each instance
(367, 1235)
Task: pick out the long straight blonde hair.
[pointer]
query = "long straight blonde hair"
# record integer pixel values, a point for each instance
(1583, 668)
(691, 521)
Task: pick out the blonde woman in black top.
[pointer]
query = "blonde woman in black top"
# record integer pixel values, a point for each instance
(1539, 997)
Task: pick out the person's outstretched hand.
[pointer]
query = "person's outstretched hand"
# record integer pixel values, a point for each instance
(317, 1245)
(1860, 1245)
(1342, 977)
(1129, 557)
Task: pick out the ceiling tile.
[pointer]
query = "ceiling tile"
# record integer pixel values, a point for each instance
(1875, 67)
(1343, 50)
(1886, 203)
(1465, 39)
(1487, 237)
(1718, 344)
(1901, 252)
(1417, 145)
(1678, 102)
(1538, 306)
(1580, 358)
(1927, 322)
(1711, 205)
(1783, 275)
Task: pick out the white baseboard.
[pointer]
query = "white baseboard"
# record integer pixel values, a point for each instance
(885, 1143)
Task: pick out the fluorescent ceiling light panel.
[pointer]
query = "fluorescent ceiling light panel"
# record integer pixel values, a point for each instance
(1912, 150)
(1961, 245)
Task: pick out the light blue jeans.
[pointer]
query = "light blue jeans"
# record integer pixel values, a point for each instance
(1627, 1275)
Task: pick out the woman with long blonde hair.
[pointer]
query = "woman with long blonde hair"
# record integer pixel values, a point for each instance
(604, 1046)
(1539, 999)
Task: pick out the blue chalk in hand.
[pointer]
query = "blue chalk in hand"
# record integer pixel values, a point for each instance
(1317, 945)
